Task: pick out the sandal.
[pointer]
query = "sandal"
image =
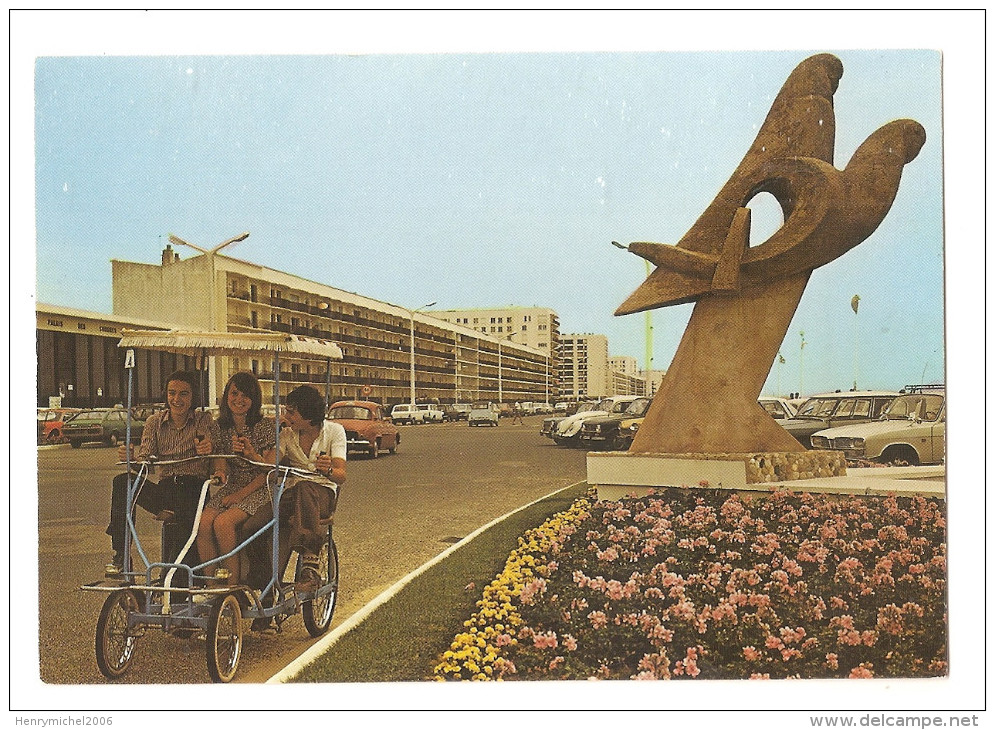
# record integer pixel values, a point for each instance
(309, 579)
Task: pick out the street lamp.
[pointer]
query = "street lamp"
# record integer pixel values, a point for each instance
(412, 313)
(213, 324)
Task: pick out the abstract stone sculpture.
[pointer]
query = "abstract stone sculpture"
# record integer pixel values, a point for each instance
(746, 296)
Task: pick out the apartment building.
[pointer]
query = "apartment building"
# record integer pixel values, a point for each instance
(452, 362)
(583, 366)
(537, 327)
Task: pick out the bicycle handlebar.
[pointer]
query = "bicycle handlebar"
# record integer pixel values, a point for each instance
(295, 471)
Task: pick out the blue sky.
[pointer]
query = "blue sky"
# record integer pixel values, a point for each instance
(434, 177)
(478, 180)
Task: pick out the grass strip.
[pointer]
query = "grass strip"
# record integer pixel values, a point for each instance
(403, 639)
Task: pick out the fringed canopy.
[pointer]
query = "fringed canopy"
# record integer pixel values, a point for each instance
(228, 343)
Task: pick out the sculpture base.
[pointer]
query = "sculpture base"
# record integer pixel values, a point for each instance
(617, 474)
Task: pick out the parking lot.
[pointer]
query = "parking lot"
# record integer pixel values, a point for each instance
(395, 513)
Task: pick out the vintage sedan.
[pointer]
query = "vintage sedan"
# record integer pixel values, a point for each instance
(836, 409)
(911, 431)
(568, 430)
(51, 424)
(482, 414)
(548, 427)
(456, 411)
(780, 409)
(366, 429)
(617, 430)
(105, 425)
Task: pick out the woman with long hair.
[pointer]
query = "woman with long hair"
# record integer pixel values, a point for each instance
(245, 432)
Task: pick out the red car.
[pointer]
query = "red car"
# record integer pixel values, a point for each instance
(366, 428)
(50, 424)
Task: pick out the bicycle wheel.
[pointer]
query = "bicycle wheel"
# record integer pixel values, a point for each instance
(224, 639)
(115, 641)
(317, 613)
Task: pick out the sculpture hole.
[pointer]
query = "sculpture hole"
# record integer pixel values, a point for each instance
(766, 217)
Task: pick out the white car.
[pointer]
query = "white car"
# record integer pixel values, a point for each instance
(568, 430)
(407, 413)
(482, 414)
(780, 409)
(432, 413)
(912, 430)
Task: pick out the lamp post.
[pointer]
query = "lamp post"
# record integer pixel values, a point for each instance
(411, 312)
(213, 325)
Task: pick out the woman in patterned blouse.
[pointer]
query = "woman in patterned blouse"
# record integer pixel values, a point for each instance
(245, 432)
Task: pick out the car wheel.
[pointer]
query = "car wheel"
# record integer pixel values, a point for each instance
(54, 436)
(900, 456)
(75, 444)
(393, 447)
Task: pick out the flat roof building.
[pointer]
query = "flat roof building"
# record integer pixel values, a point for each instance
(453, 362)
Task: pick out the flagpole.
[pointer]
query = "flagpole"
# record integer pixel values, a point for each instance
(855, 305)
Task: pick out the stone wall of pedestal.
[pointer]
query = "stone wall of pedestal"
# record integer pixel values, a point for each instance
(777, 467)
(617, 473)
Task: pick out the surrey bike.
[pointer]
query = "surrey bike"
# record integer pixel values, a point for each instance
(182, 599)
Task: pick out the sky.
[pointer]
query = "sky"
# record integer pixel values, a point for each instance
(488, 159)
(480, 180)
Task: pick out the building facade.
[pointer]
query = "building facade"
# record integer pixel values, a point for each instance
(79, 364)
(537, 327)
(452, 362)
(583, 371)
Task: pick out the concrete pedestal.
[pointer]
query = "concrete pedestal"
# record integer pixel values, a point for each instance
(617, 474)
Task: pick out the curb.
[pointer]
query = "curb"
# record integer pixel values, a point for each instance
(315, 650)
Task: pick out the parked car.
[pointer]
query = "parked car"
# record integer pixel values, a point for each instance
(51, 424)
(505, 410)
(614, 431)
(836, 409)
(912, 430)
(483, 414)
(548, 427)
(568, 430)
(456, 411)
(106, 425)
(406, 413)
(780, 409)
(366, 429)
(432, 413)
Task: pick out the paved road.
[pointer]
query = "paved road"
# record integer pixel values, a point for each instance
(396, 512)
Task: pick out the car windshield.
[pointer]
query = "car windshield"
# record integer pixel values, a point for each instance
(817, 408)
(481, 406)
(925, 407)
(355, 413)
(639, 407)
(621, 407)
(775, 408)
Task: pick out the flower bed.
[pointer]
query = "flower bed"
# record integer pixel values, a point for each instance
(710, 584)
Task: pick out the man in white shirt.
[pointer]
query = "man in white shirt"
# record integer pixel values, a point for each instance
(316, 445)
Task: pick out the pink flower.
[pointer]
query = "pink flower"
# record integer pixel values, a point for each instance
(598, 619)
(531, 590)
(545, 641)
(569, 642)
(832, 661)
(862, 671)
(751, 654)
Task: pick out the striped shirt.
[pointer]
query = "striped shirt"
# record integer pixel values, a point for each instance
(162, 439)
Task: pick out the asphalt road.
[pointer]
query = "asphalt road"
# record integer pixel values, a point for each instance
(395, 513)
